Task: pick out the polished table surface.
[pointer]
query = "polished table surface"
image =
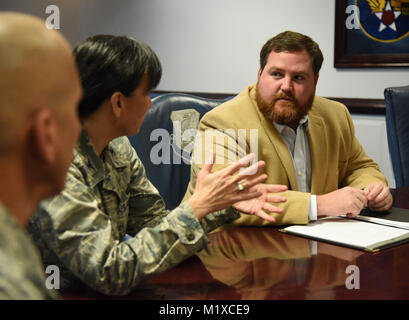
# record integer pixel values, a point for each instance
(264, 263)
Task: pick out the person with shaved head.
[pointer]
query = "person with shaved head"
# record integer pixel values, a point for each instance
(40, 90)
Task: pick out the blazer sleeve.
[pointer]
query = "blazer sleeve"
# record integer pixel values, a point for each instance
(358, 170)
(228, 148)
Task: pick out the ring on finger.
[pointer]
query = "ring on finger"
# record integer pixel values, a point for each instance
(240, 187)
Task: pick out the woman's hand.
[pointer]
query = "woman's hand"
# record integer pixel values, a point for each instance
(260, 205)
(216, 191)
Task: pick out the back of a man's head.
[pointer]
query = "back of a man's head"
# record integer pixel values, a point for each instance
(40, 90)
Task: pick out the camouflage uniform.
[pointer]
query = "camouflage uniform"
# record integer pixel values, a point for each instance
(21, 272)
(106, 197)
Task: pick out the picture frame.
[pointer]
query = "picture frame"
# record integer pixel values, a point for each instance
(371, 33)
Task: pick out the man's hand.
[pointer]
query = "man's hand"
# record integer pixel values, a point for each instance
(378, 196)
(260, 206)
(348, 200)
(218, 190)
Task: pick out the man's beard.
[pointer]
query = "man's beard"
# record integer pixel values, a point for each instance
(291, 113)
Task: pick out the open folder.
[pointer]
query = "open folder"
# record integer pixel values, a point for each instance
(369, 231)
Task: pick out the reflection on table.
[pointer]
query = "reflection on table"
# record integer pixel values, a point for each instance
(265, 263)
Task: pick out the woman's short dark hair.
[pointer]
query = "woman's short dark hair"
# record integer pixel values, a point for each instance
(108, 64)
(292, 42)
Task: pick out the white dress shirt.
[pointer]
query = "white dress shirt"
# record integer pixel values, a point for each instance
(297, 143)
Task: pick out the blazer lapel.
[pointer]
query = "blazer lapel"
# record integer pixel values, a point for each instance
(318, 142)
(280, 148)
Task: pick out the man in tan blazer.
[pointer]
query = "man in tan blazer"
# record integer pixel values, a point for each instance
(307, 142)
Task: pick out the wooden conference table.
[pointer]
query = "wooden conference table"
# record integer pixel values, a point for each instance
(264, 263)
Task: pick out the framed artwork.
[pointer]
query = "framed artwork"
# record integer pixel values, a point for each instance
(371, 33)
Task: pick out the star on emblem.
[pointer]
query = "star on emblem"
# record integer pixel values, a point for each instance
(387, 17)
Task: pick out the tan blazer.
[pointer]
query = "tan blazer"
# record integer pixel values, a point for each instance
(337, 158)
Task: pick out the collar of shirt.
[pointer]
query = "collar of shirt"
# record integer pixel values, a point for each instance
(303, 124)
(290, 136)
(297, 144)
(7, 219)
(86, 153)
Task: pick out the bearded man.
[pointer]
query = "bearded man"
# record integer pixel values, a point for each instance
(307, 142)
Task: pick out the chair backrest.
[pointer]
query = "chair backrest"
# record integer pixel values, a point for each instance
(165, 141)
(397, 126)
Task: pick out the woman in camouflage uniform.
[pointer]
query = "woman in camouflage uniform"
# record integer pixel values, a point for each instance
(107, 194)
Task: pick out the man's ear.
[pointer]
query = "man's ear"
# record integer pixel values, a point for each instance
(117, 103)
(316, 78)
(259, 73)
(44, 136)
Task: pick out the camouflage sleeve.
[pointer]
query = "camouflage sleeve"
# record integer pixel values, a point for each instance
(147, 208)
(216, 219)
(81, 235)
(22, 275)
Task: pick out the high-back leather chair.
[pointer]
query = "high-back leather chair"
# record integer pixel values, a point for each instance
(165, 142)
(397, 126)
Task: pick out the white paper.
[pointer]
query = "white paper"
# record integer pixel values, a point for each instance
(351, 232)
(397, 224)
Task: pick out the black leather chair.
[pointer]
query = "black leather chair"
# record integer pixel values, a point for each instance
(397, 125)
(164, 145)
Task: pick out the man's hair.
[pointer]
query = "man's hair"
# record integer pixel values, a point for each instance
(108, 64)
(292, 42)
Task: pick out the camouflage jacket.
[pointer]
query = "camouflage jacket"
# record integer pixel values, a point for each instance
(21, 272)
(106, 197)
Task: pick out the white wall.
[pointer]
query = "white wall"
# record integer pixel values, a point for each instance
(213, 45)
(68, 13)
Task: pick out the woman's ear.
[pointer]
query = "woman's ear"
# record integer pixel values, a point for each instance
(117, 103)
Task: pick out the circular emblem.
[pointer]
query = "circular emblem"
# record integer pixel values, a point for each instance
(384, 20)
